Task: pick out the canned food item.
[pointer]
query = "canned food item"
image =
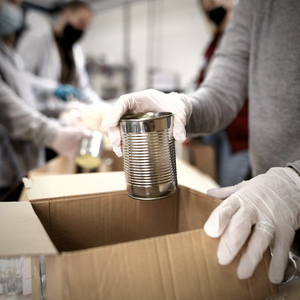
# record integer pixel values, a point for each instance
(90, 152)
(149, 155)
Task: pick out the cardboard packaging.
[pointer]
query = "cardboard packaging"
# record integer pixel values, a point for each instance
(64, 165)
(43, 183)
(109, 246)
(203, 157)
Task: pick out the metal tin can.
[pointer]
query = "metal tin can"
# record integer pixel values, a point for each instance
(149, 155)
(89, 156)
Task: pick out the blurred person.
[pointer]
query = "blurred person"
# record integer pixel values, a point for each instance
(231, 143)
(23, 130)
(54, 52)
(258, 57)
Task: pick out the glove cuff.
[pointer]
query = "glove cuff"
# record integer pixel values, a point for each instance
(295, 166)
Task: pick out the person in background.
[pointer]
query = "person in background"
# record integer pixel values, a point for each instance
(23, 130)
(253, 60)
(54, 53)
(231, 143)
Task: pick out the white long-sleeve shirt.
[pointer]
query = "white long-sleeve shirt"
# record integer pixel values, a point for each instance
(23, 130)
(41, 56)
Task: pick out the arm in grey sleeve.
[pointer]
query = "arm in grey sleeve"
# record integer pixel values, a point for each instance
(50, 105)
(219, 99)
(23, 122)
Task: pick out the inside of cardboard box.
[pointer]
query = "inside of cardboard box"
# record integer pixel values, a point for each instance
(180, 265)
(87, 221)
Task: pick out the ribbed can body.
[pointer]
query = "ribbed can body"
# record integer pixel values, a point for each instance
(149, 155)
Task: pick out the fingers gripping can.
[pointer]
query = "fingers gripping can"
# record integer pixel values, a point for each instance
(149, 155)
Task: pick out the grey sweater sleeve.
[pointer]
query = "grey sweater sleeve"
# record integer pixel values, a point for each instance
(219, 99)
(23, 122)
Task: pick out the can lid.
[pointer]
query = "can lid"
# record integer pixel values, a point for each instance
(146, 116)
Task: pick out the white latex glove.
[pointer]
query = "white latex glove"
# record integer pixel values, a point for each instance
(77, 105)
(272, 202)
(148, 101)
(73, 114)
(68, 139)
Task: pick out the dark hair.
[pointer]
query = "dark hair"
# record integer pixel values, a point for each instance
(76, 4)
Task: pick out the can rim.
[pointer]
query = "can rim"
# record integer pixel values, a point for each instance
(146, 116)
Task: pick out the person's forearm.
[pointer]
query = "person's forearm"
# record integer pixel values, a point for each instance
(52, 107)
(43, 84)
(23, 122)
(212, 110)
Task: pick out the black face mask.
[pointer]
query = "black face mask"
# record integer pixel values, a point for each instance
(70, 36)
(217, 15)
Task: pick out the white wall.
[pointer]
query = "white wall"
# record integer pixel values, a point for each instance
(180, 37)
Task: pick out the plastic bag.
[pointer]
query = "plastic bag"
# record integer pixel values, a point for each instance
(289, 289)
(11, 276)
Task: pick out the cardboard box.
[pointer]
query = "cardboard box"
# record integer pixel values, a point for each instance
(65, 165)
(43, 184)
(109, 246)
(203, 157)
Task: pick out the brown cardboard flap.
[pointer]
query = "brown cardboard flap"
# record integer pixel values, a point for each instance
(43, 212)
(194, 209)
(58, 165)
(72, 185)
(55, 186)
(21, 231)
(86, 221)
(177, 266)
(55, 283)
(204, 158)
(190, 176)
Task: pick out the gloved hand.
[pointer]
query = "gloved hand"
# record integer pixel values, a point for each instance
(68, 139)
(87, 115)
(272, 202)
(63, 90)
(146, 101)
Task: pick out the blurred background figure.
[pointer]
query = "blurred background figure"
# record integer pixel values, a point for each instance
(54, 52)
(230, 144)
(23, 130)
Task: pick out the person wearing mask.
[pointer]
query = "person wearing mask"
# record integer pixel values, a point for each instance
(258, 57)
(54, 53)
(23, 130)
(231, 143)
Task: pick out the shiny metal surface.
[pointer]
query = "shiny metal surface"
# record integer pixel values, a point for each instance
(89, 156)
(149, 155)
